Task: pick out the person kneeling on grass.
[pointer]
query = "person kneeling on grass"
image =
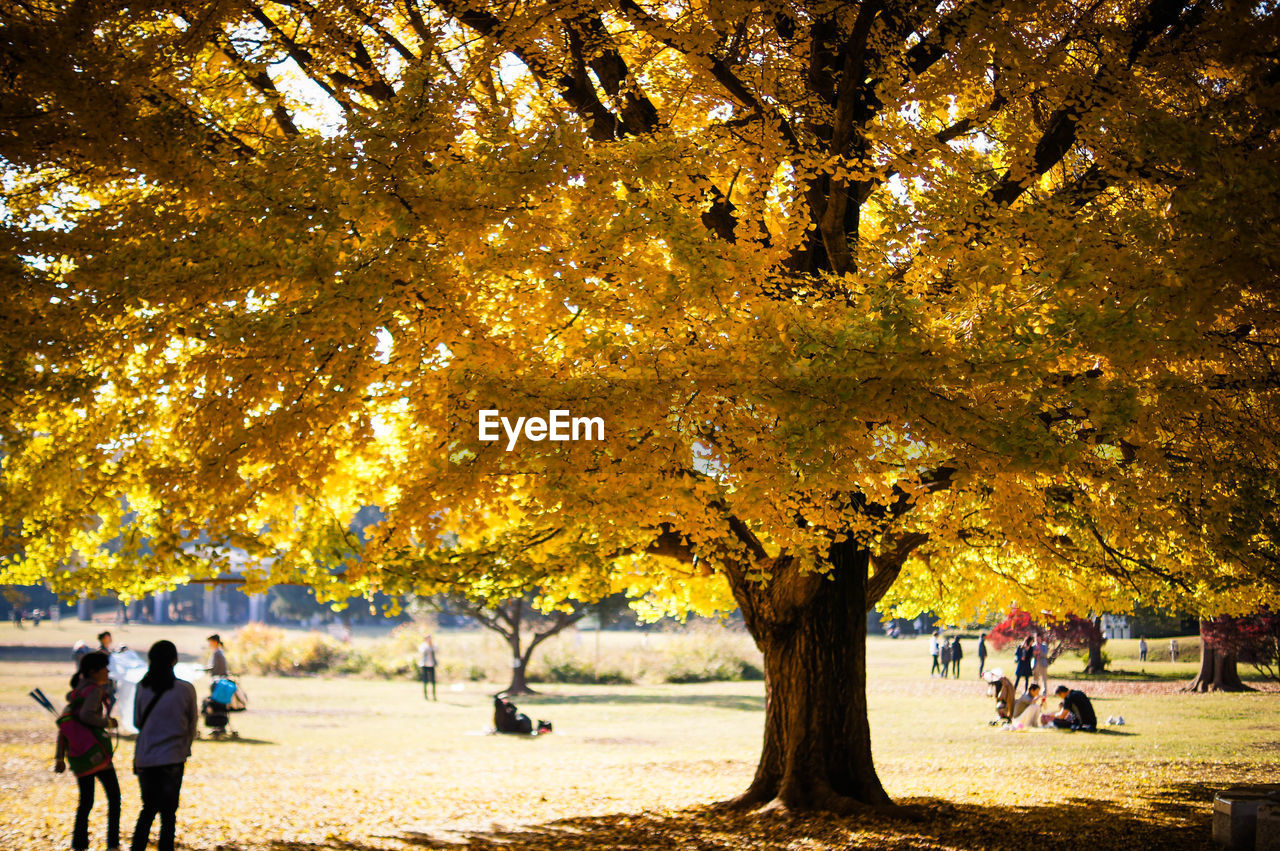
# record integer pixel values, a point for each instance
(1077, 711)
(1027, 709)
(1002, 690)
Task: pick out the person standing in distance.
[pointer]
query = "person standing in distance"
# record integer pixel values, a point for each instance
(982, 654)
(165, 713)
(1022, 662)
(427, 666)
(1040, 662)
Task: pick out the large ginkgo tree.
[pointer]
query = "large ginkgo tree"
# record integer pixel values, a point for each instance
(918, 304)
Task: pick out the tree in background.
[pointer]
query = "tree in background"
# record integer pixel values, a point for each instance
(1149, 622)
(1225, 641)
(1061, 634)
(295, 603)
(926, 305)
(12, 599)
(520, 624)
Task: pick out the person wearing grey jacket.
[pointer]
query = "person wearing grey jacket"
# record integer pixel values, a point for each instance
(165, 713)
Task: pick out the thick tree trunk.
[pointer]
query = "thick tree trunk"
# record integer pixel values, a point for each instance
(1217, 670)
(817, 741)
(1096, 665)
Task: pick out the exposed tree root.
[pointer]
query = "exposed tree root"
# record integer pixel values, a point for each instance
(841, 805)
(753, 798)
(1203, 687)
(518, 690)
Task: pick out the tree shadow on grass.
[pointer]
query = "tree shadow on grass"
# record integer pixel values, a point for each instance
(228, 741)
(36, 653)
(206, 739)
(1177, 817)
(744, 702)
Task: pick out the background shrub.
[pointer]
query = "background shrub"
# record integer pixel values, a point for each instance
(703, 652)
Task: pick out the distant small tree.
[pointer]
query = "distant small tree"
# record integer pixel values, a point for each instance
(1076, 633)
(1070, 633)
(518, 620)
(13, 599)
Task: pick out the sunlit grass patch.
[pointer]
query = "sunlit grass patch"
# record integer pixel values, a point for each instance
(339, 763)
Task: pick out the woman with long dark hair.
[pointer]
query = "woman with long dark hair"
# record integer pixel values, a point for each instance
(84, 742)
(165, 713)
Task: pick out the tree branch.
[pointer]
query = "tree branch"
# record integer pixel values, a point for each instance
(888, 564)
(720, 70)
(257, 76)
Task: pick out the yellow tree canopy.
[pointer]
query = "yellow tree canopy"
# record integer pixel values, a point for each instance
(988, 287)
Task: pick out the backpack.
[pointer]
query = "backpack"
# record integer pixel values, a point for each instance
(88, 748)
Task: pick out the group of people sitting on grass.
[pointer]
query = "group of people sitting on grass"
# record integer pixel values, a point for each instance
(1029, 711)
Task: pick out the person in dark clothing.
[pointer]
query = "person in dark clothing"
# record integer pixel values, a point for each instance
(165, 713)
(1022, 663)
(1077, 711)
(508, 719)
(956, 655)
(944, 653)
(982, 654)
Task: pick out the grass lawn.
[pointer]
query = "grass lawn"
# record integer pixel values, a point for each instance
(367, 764)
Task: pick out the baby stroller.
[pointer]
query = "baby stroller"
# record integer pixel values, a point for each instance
(216, 709)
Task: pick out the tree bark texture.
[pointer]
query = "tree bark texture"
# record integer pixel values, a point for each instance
(1096, 664)
(817, 741)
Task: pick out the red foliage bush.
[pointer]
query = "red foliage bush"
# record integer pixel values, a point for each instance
(1070, 633)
